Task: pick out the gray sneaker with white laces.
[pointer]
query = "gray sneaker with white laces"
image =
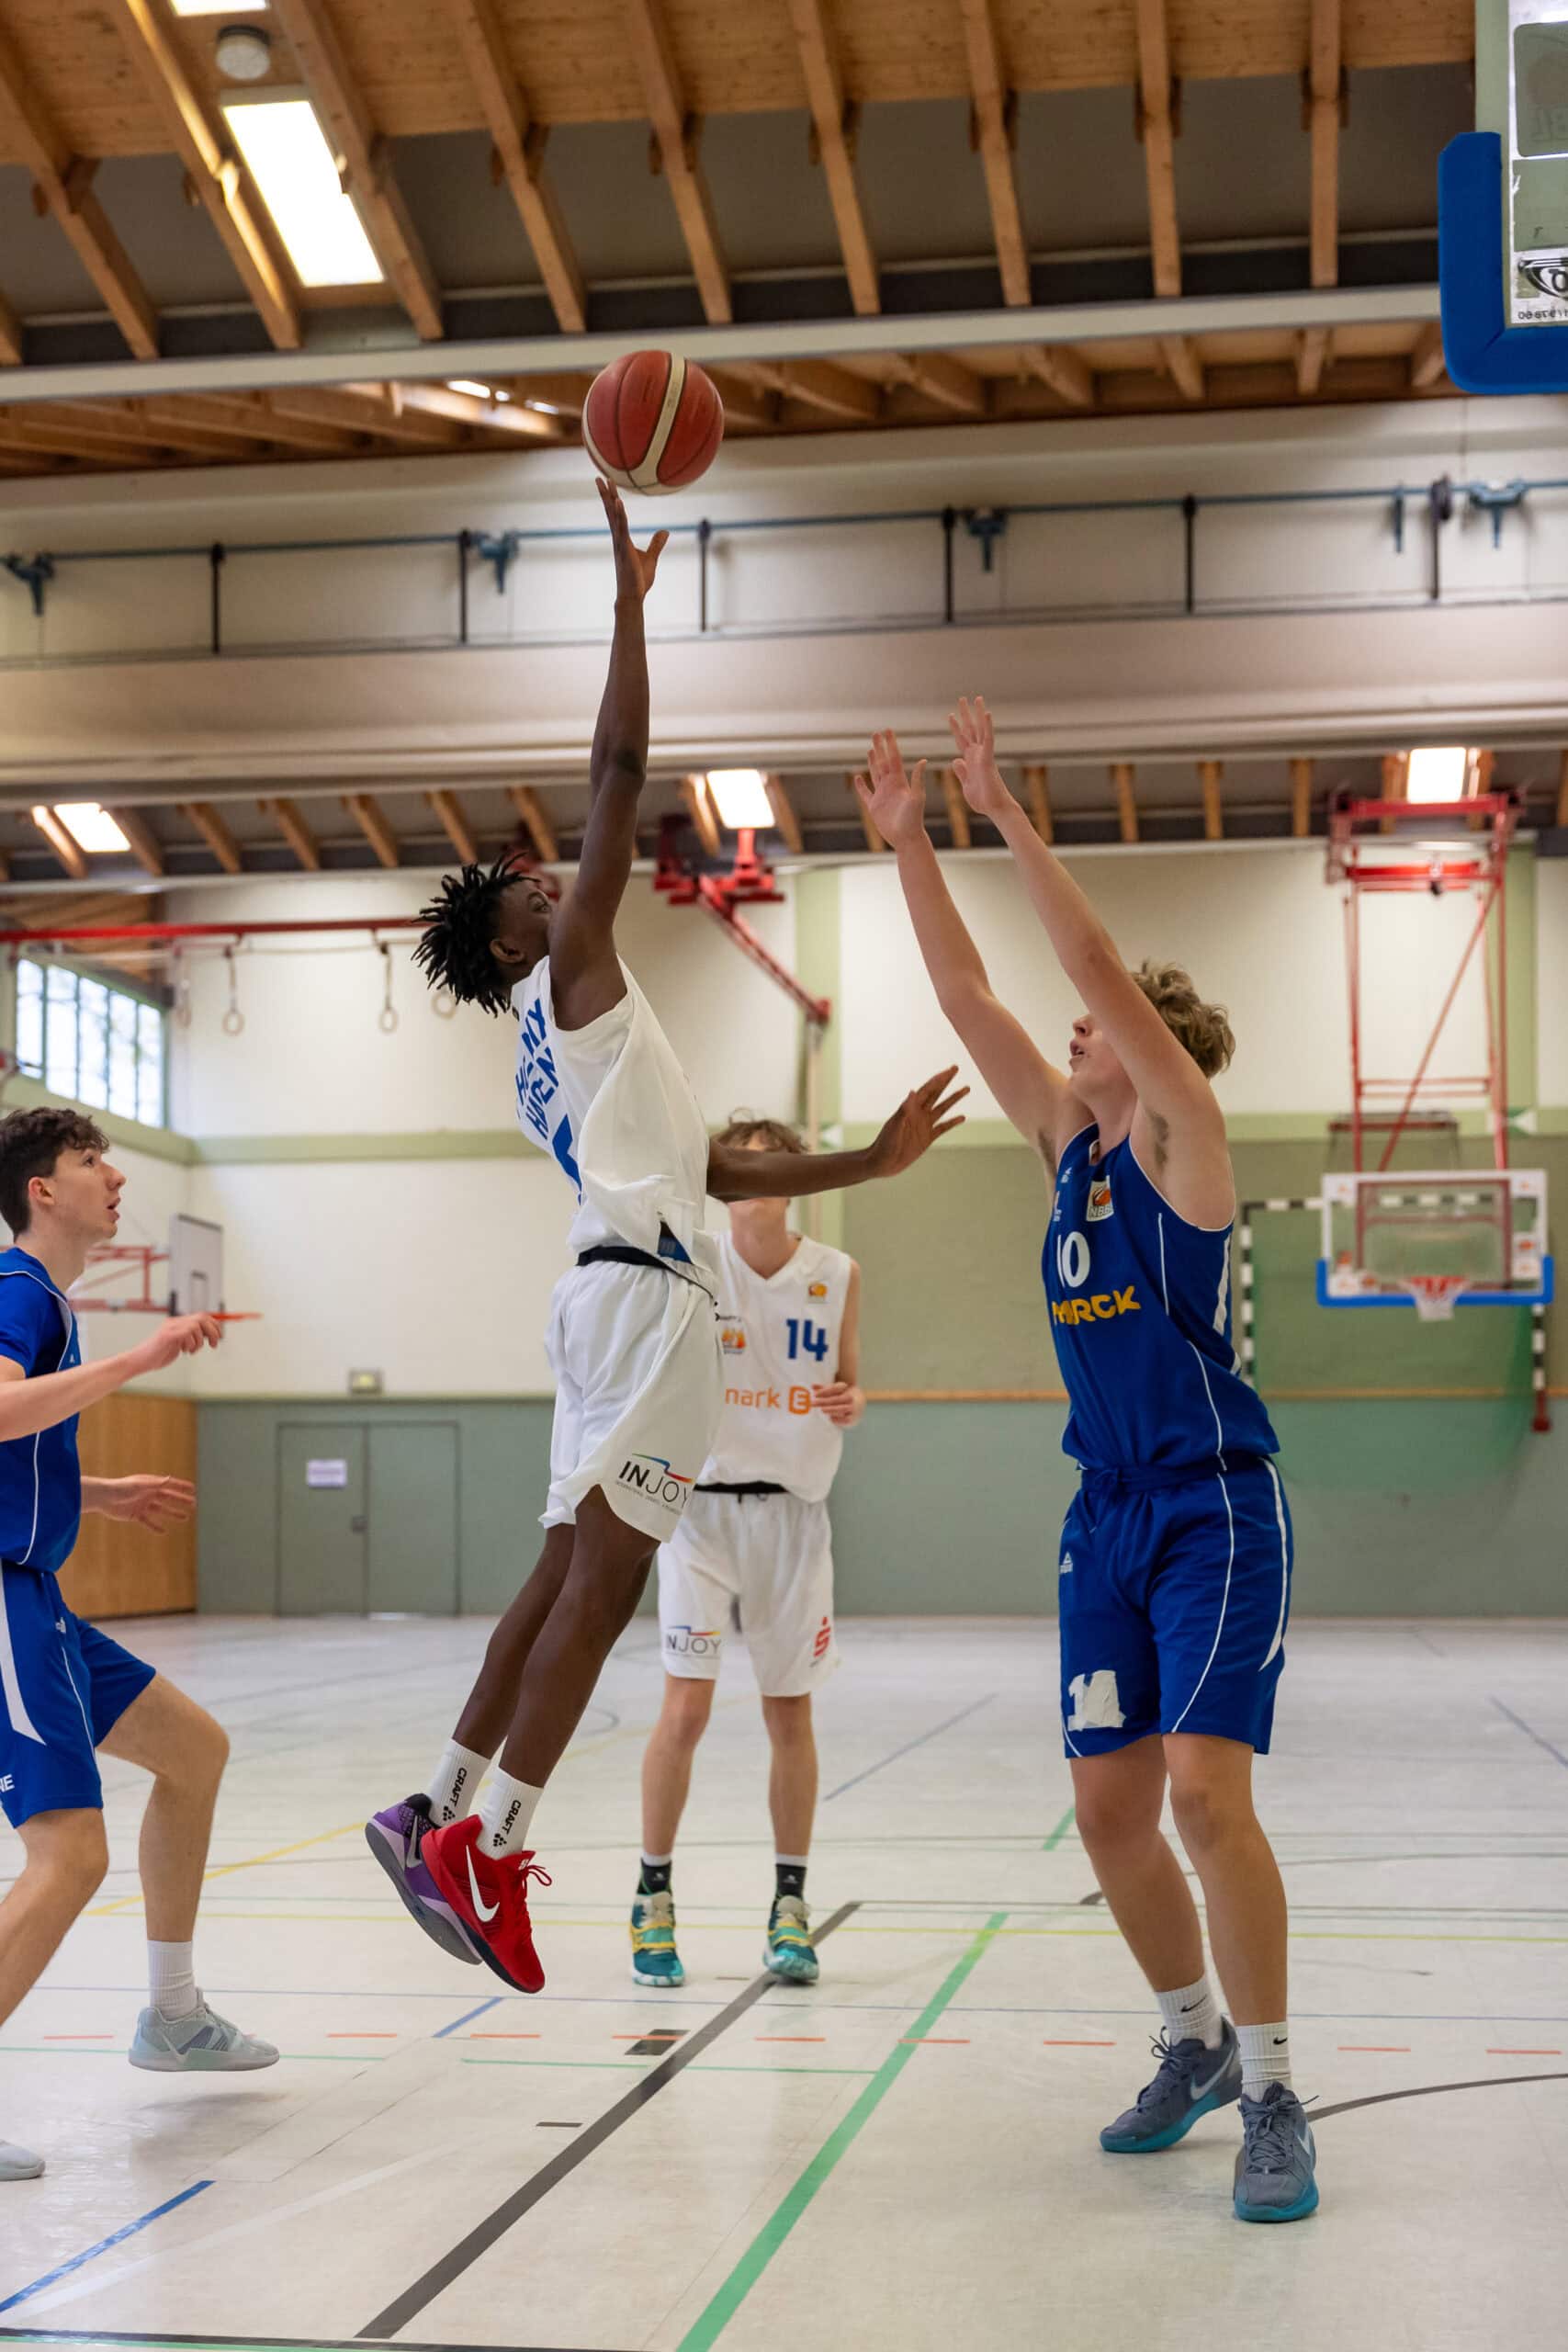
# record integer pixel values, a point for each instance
(1274, 2173)
(202, 2043)
(19, 2164)
(1193, 2081)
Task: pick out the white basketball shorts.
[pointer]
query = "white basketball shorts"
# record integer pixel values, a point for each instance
(760, 1565)
(639, 1385)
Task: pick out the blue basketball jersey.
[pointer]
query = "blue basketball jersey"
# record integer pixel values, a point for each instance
(1141, 1315)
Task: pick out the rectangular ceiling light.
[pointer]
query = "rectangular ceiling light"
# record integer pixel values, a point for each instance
(220, 7)
(475, 390)
(740, 795)
(1437, 775)
(283, 145)
(90, 827)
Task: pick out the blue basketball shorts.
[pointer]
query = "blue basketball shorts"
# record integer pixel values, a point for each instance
(1174, 1600)
(64, 1686)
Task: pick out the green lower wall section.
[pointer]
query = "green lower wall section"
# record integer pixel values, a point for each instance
(1418, 1509)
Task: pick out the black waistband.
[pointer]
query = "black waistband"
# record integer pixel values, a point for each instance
(621, 1253)
(753, 1487)
(1148, 1479)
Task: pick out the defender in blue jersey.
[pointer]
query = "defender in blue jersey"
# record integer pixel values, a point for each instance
(1175, 1568)
(67, 1690)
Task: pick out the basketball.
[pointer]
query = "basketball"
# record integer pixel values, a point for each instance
(652, 422)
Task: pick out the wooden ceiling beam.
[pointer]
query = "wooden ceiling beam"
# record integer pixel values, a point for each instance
(37, 142)
(64, 433)
(365, 160)
(1314, 348)
(1122, 779)
(367, 815)
(1061, 371)
(509, 418)
(745, 403)
(455, 825)
(295, 832)
(1325, 100)
(69, 851)
(519, 148)
(376, 408)
(785, 816)
(254, 416)
(820, 383)
(1427, 364)
(958, 825)
(1156, 129)
(157, 424)
(1179, 357)
(676, 134)
(991, 102)
(832, 122)
(1301, 798)
(200, 139)
(565, 391)
(940, 378)
(535, 823)
(874, 839)
(215, 833)
(1563, 791)
(1211, 775)
(700, 810)
(145, 846)
(10, 335)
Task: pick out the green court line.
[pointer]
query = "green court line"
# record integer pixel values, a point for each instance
(1060, 1831)
(709, 2326)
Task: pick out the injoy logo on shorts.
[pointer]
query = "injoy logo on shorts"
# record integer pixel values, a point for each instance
(651, 1475)
(691, 1640)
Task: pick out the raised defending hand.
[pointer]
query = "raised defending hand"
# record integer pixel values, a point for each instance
(635, 566)
(894, 802)
(182, 1334)
(975, 767)
(920, 1120)
(148, 1499)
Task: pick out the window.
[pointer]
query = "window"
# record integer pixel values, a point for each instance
(95, 1043)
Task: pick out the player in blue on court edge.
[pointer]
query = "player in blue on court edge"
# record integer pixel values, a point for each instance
(1175, 1571)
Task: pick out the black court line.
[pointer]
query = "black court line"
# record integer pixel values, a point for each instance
(909, 1745)
(162, 2335)
(466, 2252)
(1519, 1725)
(1430, 2090)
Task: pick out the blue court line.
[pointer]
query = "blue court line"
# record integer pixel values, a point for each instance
(493, 2003)
(1519, 1725)
(118, 2238)
(908, 1746)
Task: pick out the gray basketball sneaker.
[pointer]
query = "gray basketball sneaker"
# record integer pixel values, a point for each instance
(1275, 2171)
(1193, 2081)
(19, 2164)
(202, 2043)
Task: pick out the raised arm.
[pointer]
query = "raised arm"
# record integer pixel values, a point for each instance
(1036, 1096)
(924, 1115)
(1179, 1132)
(28, 1406)
(585, 972)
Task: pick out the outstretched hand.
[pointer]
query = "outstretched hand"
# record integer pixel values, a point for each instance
(975, 767)
(635, 566)
(894, 802)
(920, 1120)
(147, 1499)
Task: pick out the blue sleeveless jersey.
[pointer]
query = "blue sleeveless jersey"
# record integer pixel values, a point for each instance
(1141, 1315)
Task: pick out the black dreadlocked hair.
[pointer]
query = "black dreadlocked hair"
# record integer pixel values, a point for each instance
(453, 949)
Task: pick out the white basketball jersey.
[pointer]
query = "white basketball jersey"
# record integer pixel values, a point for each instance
(613, 1107)
(780, 1337)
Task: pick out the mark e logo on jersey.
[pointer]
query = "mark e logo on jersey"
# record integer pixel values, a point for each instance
(1073, 1266)
(538, 1083)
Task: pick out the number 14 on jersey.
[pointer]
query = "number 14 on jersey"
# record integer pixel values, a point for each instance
(805, 1339)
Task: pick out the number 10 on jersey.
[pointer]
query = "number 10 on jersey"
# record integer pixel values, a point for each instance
(805, 1339)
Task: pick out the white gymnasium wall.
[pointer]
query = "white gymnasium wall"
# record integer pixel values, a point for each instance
(1260, 929)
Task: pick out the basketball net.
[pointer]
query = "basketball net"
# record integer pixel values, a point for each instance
(1436, 1295)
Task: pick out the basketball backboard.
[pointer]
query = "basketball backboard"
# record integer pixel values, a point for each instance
(196, 1266)
(1503, 207)
(1464, 1237)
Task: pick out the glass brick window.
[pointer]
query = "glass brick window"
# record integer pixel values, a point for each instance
(93, 1043)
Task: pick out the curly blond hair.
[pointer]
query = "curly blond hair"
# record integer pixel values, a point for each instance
(1204, 1029)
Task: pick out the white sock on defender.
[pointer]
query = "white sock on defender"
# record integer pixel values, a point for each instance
(456, 1783)
(505, 1814)
(1265, 2057)
(171, 1970)
(1191, 2014)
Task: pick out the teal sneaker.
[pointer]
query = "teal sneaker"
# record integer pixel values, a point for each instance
(1276, 2170)
(790, 1954)
(654, 1960)
(19, 2163)
(202, 2043)
(1191, 2081)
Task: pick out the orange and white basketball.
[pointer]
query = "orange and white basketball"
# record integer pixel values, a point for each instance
(652, 422)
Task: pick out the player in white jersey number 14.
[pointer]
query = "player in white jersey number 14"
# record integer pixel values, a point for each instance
(753, 1551)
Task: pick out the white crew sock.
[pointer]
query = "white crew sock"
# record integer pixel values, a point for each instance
(456, 1783)
(172, 1976)
(504, 1816)
(1191, 2014)
(1265, 2057)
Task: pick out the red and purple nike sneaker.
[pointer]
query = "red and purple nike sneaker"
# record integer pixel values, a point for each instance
(489, 1894)
(396, 1836)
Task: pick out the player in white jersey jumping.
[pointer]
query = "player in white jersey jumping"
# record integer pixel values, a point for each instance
(633, 1339)
(754, 1552)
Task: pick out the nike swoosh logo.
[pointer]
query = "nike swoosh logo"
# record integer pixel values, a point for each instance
(487, 1911)
(1202, 2090)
